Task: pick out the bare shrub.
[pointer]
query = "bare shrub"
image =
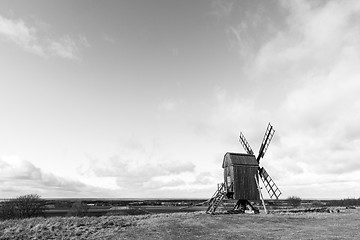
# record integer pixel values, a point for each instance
(294, 201)
(7, 210)
(25, 206)
(78, 209)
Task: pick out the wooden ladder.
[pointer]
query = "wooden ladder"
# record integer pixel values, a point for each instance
(216, 199)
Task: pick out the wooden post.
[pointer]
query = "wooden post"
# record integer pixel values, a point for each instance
(261, 196)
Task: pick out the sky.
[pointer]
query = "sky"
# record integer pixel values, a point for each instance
(142, 98)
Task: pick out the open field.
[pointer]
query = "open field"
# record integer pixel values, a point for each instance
(63, 207)
(195, 225)
(106, 207)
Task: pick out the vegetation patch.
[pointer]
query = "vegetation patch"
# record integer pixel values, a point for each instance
(195, 225)
(64, 227)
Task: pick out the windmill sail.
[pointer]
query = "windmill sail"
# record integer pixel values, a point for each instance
(266, 141)
(245, 144)
(270, 185)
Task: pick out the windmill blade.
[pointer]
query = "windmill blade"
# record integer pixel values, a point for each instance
(269, 133)
(269, 184)
(245, 144)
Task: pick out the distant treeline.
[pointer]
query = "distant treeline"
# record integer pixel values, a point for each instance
(297, 201)
(67, 203)
(343, 202)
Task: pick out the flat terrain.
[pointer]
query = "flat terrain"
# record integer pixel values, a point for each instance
(195, 225)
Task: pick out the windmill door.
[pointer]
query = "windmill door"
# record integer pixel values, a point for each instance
(229, 178)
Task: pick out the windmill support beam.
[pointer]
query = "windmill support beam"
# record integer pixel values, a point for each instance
(261, 196)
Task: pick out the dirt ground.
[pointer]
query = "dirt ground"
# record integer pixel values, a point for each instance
(195, 225)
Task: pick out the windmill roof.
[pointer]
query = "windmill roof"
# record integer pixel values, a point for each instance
(239, 159)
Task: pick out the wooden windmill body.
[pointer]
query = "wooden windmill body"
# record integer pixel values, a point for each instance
(239, 172)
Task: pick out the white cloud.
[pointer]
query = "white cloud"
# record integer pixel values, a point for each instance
(22, 177)
(221, 8)
(132, 172)
(239, 40)
(109, 39)
(17, 32)
(67, 47)
(149, 171)
(29, 38)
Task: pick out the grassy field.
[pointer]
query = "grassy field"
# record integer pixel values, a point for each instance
(195, 225)
(343, 225)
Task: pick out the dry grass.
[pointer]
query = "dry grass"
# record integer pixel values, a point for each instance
(198, 225)
(343, 225)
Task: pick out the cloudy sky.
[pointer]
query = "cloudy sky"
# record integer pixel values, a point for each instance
(140, 98)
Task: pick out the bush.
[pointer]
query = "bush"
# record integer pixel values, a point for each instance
(25, 206)
(294, 201)
(7, 210)
(78, 209)
(318, 203)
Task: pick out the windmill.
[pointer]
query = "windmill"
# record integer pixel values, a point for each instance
(241, 173)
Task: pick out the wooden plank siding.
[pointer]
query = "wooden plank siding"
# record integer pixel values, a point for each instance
(241, 168)
(244, 183)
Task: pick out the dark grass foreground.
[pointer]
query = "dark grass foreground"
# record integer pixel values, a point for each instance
(197, 225)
